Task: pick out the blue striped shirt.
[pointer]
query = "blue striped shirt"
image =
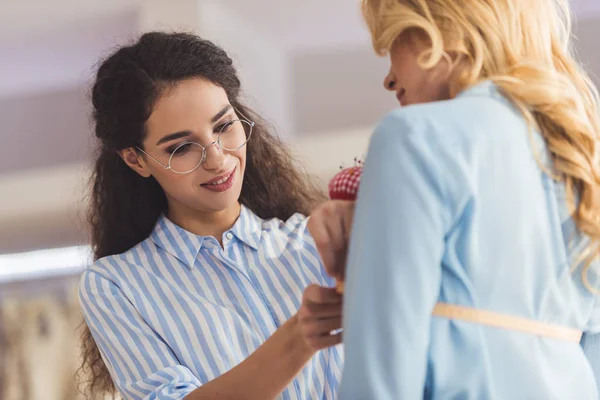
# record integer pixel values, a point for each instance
(178, 310)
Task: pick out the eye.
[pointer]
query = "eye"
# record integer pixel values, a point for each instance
(226, 127)
(181, 149)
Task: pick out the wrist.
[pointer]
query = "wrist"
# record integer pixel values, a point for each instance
(297, 345)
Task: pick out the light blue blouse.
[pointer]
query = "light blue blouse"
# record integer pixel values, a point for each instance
(454, 207)
(177, 310)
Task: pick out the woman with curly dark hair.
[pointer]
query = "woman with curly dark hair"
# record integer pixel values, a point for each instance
(206, 282)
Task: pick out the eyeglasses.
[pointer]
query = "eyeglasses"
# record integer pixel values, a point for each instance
(188, 156)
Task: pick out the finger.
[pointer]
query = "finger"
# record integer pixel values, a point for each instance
(322, 225)
(331, 340)
(348, 217)
(317, 226)
(343, 230)
(339, 287)
(338, 228)
(331, 227)
(323, 326)
(320, 311)
(338, 269)
(321, 295)
(322, 342)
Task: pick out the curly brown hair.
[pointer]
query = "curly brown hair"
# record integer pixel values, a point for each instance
(124, 207)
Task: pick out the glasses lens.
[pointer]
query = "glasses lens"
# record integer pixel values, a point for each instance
(187, 157)
(235, 134)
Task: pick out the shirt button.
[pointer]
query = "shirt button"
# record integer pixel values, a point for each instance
(229, 236)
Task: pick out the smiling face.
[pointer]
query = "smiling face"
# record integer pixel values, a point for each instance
(193, 112)
(409, 81)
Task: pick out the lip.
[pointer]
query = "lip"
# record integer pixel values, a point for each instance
(218, 178)
(222, 187)
(400, 95)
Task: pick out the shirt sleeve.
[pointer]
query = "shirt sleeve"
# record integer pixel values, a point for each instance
(590, 341)
(394, 268)
(309, 257)
(141, 364)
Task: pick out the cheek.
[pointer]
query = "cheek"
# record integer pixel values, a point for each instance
(403, 61)
(241, 156)
(174, 184)
(408, 73)
(418, 74)
(397, 69)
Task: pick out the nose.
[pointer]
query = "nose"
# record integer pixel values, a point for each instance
(215, 157)
(389, 82)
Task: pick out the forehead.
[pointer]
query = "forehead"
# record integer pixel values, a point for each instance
(188, 105)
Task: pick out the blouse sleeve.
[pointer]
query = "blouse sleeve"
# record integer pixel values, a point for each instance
(141, 364)
(394, 270)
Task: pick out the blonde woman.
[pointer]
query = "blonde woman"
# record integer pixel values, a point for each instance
(472, 271)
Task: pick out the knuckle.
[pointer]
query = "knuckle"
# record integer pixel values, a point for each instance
(311, 291)
(304, 315)
(329, 208)
(321, 240)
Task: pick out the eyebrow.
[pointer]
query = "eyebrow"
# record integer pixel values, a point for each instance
(182, 134)
(218, 115)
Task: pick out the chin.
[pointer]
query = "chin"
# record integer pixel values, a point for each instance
(219, 201)
(224, 201)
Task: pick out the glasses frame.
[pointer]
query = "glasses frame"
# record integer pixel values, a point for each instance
(217, 142)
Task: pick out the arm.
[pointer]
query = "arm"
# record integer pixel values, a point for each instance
(271, 368)
(266, 372)
(394, 266)
(330, 227)
(590, 342)
(144, 367)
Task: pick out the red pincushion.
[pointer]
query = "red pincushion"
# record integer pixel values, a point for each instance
(344, 185)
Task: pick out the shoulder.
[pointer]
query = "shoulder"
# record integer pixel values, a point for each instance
(109, 266)
(294, 227)
(451, 138)
(293, 223)
(475, 116)
(434, 148)
(111, 273)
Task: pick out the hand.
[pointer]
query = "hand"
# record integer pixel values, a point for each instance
(330, 225)
(319, 315)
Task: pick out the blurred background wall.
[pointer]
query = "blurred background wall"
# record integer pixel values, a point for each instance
(306, 65)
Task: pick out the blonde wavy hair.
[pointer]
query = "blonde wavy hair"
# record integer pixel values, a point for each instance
(524, 47)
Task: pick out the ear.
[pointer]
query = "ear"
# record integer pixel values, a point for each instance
(135, 161)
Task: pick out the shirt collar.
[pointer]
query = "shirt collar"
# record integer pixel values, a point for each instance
(185, 245)
(177, 241)
(248, 228)
(483, 88)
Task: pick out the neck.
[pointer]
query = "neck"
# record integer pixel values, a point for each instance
(456, 78)
(205, 223)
